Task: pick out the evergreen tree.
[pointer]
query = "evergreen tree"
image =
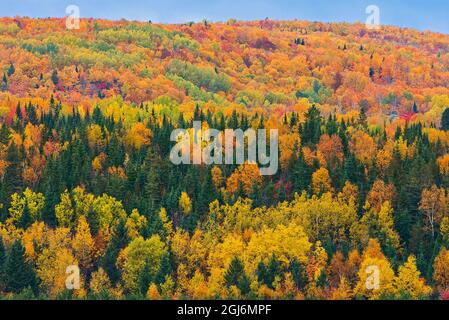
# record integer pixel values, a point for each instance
(298, 274)
(4, 134)
(301, 174)
(119, 241)
(261, 272)
(54, 77)
(445, 120)
(312, 127)
(145, 278)
(11, 70)
(165, 268)
(25, 220)
(4, 85)
(207, 193)
(371, 73)
(235, 276)
(19, 273)
(153, 181)
(2, 265)
(415, 107)
(13, 175)
(255, 195)
(281, 196)
(363, 119)
(273, 271)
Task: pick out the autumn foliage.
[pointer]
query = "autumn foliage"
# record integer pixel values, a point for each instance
(86, 180)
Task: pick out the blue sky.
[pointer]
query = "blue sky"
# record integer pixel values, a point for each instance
(420, 14)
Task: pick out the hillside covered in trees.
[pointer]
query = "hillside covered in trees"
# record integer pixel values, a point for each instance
(85, 177)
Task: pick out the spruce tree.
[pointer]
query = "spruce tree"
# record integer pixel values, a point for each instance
(165, 268)
(19, 273)
(298, 274)
(13, 174)
(2, 265)
(54, 77)
(445, 120)
(145, 278)
(255, 195)
(4, 85)
(25, 220)
(273, 271)
(4, 134)
(119, 241)
(281, 196)
(415, 107)
(153, 181)
(371, 73)
(261, 272)
(235, 276)
(11, 70)
(312, 126)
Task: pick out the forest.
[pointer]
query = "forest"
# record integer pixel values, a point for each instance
(85, 177)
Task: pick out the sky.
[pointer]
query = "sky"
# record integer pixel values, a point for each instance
(419, 14)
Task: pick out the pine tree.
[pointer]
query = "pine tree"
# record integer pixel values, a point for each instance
(4, 85)
(119, 241)
(54, 77)
(165, 269)
(415, 107)
(19, 112)
(261, 272)
(371, 73)
(145, 278)
(273, 271)
(4, 134)
(13, 175)
(235, 276)
(11, 70)
(281, 196)
(363, 119)
(207, 193)
(445, 120)
(2, 265)
(255, 195)
(298, 274)
(301, 174)
(153, 181)
(234, 272)
(312, 126)
(19, 273)
(25, 220)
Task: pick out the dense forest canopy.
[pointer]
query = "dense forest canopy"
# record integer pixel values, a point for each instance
(85, 178)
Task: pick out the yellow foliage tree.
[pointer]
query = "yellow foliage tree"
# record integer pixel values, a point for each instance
(409, 282)
(135, 223)
(441, 270)
(376, 277)
(99, 282)
(153, 292)
(83, 245)
(64, 211)
(321, 181)
(185, 204)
